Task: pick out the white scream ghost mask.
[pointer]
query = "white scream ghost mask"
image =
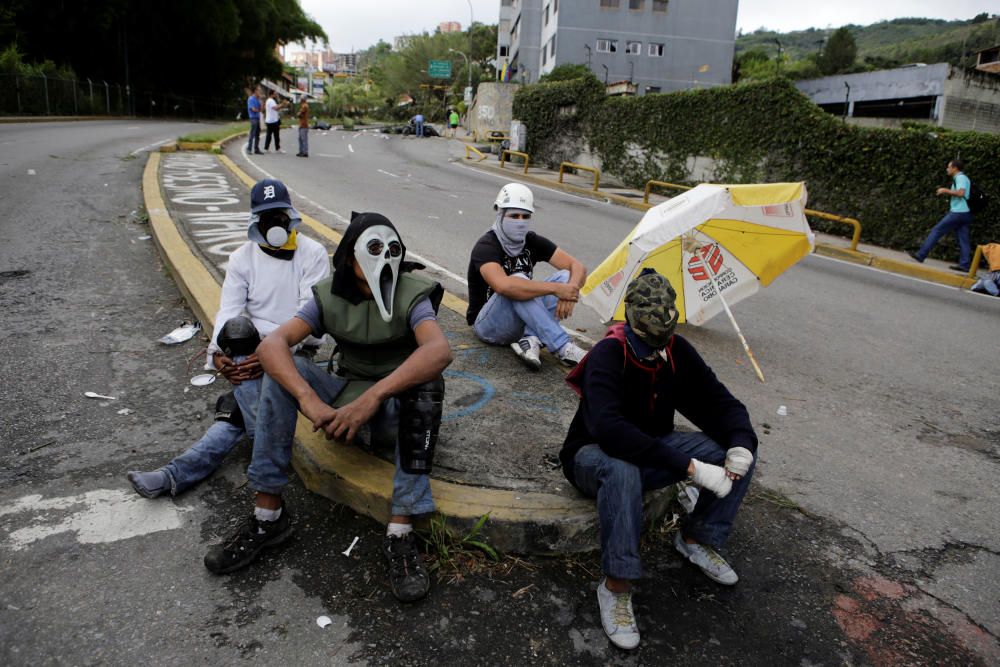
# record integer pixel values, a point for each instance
(379, 252)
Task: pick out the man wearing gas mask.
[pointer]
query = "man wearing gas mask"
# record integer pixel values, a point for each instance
(268, 279)
(622, 443)
(506, 305)
(391, 354)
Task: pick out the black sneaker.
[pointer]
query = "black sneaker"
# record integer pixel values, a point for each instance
(956, 267)
(243, 547)
(915, 256)
(407, 576)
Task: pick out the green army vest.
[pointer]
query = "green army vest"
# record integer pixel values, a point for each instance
(369, 347)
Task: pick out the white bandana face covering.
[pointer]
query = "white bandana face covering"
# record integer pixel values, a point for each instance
(512, 231)
(379, 253)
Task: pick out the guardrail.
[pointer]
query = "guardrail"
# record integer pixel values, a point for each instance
(662, 184)
(855, 238)
(976, 259)
(473, 149)
(570, 165)
(524, 156)
(840, 218)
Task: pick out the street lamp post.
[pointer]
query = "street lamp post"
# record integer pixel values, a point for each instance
(468, 66)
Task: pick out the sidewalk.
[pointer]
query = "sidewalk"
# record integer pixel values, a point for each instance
(503, 425)
(828, 245)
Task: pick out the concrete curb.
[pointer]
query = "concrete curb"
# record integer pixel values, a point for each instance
(520, 522)
(837, 252)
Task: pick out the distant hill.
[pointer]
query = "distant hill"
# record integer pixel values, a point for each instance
(888, 43)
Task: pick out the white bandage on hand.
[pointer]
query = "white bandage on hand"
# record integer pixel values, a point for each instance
(738, 460)
(712, 478)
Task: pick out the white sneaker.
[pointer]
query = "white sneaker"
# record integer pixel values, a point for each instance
(527, 350)
(571, 354)
(617, 617)
(708, 559)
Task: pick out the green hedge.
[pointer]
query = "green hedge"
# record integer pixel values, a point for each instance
(769, 131)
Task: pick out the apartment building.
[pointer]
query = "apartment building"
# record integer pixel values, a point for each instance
(658, 45)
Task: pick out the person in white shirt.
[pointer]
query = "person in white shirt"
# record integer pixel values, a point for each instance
(268, 279)
(272, 120)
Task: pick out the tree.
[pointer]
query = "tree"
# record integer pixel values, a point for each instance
(565, 72)
(183, 46)
(839, 53)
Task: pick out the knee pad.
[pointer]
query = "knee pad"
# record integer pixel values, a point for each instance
(419, 421)
(227, 409)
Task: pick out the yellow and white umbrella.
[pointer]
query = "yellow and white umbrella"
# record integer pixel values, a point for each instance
(717, 244)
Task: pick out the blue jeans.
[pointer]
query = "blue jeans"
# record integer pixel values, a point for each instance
(503, 321)
(253, 142)
(203, 457)
(303, 141)
(272, 447)
(419, 129)
(618, 487)
(952, 222)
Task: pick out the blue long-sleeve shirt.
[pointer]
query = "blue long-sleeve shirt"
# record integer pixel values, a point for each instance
(626, 406)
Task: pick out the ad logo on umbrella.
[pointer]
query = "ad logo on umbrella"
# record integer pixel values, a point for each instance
(613, 282)
(711, 255)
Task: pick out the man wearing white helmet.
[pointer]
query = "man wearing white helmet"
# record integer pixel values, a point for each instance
(507, 306)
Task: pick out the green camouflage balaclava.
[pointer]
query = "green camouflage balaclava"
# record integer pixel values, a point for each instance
(650, 308)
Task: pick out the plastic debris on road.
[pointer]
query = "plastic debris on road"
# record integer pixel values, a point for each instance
(323, 621)
(144, 238)
(126, 411)
(184, 332)
(92, 394)
(350, 548)
(782, 410)
(203, 380)
(31, 172)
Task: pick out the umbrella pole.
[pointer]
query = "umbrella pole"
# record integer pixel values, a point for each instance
(739, 334)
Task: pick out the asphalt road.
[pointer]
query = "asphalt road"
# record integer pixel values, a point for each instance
(888, 450)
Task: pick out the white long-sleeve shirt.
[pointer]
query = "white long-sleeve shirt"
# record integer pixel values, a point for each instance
(267, 289)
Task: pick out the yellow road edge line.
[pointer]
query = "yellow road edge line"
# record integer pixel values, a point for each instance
(361, 476)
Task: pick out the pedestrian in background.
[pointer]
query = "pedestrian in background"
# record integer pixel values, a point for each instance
(253, 111)
(418, 122)
(957, 220)
(303, 128)
(453, 122)
(272, 120)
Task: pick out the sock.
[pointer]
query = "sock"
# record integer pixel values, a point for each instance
(262, 514)
(398, 529)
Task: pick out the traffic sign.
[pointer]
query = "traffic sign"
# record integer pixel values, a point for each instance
(439, 69)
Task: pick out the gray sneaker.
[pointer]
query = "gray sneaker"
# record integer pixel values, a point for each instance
(708, 559)
(527, 350)
(571, 354)
(617, 617)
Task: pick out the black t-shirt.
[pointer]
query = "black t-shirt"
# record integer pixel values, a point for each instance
(537, 248)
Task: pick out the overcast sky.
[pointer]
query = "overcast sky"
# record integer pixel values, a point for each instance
(353, 25)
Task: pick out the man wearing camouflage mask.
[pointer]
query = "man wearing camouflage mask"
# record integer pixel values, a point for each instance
(622, 443)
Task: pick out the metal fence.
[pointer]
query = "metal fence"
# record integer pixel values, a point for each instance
(40, 95)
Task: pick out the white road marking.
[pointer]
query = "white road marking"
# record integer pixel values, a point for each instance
(434, 266)
(31, 172)
(888, 273)
(150, 146)
(329, 154)
(104, 515)
(382, 171)
(350, 148)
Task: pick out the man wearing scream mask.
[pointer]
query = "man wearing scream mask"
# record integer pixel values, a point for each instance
(506, 305)
(391, 356)
(268, 279)
(622, 443)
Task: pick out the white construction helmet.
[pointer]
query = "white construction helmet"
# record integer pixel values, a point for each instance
(515, 195)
